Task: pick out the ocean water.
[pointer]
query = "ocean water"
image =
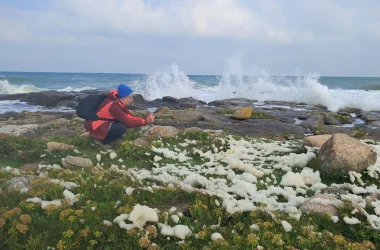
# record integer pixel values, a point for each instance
(333, 92)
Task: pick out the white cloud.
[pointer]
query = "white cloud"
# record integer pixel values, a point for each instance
(80, 21)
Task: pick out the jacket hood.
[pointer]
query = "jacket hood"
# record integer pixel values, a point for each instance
(112, 95)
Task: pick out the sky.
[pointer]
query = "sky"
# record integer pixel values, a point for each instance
(283, 37)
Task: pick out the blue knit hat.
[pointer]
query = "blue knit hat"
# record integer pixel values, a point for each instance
(123, 91)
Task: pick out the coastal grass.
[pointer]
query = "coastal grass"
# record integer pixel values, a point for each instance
(256, 114)
(26, 225)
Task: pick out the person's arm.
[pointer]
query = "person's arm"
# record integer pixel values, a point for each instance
(126, 118)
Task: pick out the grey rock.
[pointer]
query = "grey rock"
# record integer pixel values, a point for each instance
(331, 120)
(313, 122)
(334, 190)
(21, 182)
(73, 161)
(169, 99)
(321, 203)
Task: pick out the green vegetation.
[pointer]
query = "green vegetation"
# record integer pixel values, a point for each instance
(226, 111)
(343, 119)
(262, 115)
(102, 197)
(359, 133)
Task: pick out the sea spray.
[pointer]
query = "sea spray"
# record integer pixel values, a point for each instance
(7, 88)
(173, 83)
(236, 84)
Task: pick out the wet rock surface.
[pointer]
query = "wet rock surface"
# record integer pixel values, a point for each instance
(275, 118)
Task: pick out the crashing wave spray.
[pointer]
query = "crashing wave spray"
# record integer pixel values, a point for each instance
(237, 84)
(299, 89)
(7, 88)
(173, 83)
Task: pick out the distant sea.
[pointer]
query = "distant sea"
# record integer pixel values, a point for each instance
(333, 92)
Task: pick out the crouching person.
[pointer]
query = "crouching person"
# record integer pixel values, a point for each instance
(115, 117)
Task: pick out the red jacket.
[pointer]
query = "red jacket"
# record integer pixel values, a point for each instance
(112, 108)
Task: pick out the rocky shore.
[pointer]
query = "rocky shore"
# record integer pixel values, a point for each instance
(261, 119)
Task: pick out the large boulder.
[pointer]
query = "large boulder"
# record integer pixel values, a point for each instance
(159, 132)
(321, 203)
(73, 161)
(242, 113)
(342, 152)
(316, 140)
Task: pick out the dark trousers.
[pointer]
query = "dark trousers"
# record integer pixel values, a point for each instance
(115, 132)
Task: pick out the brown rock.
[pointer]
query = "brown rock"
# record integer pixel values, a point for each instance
(72, 161)
(316, 140)
(341, 152)
(321, 203)
(242, 113)
(59, 146)
(141, 142)
(29, 167)
(158, 132)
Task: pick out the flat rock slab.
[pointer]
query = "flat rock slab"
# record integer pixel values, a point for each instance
(18, 129)
(73, 161)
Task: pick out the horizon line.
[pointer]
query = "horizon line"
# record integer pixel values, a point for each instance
(115, 73)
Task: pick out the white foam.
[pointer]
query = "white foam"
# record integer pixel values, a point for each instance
(234, 84)
(7, 88)
(72, 89)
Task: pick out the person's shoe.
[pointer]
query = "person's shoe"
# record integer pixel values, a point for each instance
(101, 145)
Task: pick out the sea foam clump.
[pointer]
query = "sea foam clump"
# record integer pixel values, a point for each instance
(142, 214)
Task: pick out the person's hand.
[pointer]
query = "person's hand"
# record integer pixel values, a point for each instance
(150, 118)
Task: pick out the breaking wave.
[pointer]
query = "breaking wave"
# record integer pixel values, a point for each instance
(7, 88)
(235, 84)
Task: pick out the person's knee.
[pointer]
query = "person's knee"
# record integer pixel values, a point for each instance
(123, 128)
